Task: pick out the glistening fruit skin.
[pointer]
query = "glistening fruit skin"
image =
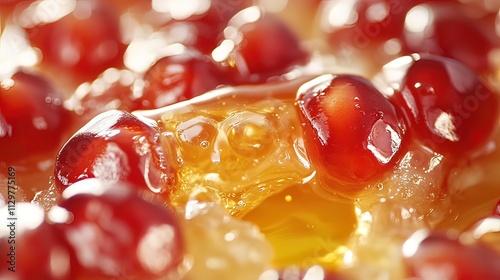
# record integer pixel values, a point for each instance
(441, 257)
(259, 46)
(112, 232)
(352, 132)
(31, 246)
(438, 34)
(30, 108)
(178, 77)
(449, 107)
(115, 146)
(83, 43)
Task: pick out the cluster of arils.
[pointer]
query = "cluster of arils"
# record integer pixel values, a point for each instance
(380, 30)
(148, 133)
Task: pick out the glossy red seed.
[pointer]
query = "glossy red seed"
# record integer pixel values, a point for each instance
(197, 24)
(451, 109)
(178, 77)
(352, 132)
(259, 46)
(356, 27)
(30, 108)
(81, 44)
(432, 28)
(115, 233)
(439, 257)
(115, 146)
(31, 248)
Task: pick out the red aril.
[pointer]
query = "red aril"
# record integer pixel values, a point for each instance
(199, 24)
(259, 46)
(452, 30)
(31, 248)
(178, 77)
(441, 257)
(83, 43)
(351, 131)
(449, 107)
(115, 146)
(32, 117)
(112, 232)
(363, 27)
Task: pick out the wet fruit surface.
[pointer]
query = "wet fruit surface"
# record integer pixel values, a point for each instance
(18, 241)
(115, 146)
(107, 240)
(352, 131)
(444, 101)
(259, 46)
(178, 77)
(430, 28)
(445, 258)
(266, 146)
(30, 108)
(85, 41)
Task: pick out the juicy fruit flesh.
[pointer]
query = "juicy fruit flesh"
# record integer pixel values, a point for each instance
(352, 132)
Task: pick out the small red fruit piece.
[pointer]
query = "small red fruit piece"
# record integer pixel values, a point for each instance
(451, 109)
(115, 146)
(31, 248)
(32, 116)
(352, 132)
(432, 28)
(441, 257)
(84, 42)
(201, 24)
(115, 233)
(259, 46)
(178, 77)
(355, 27)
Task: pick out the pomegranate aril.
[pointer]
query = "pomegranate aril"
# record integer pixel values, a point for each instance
(115, 146)
(351, 131)
(31, 247)
(30, 108)
(198, 24)
(441, 257)
(114, 233)
(363, 27)
(437, 34)
(449, 107)
(178, 77)
(259, 46)
(82, 43)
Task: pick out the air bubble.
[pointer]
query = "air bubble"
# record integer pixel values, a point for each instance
(204, 144)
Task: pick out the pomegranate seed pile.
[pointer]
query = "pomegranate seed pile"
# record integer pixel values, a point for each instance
(240, 139)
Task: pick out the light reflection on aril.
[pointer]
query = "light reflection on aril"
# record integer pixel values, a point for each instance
(418, 19)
